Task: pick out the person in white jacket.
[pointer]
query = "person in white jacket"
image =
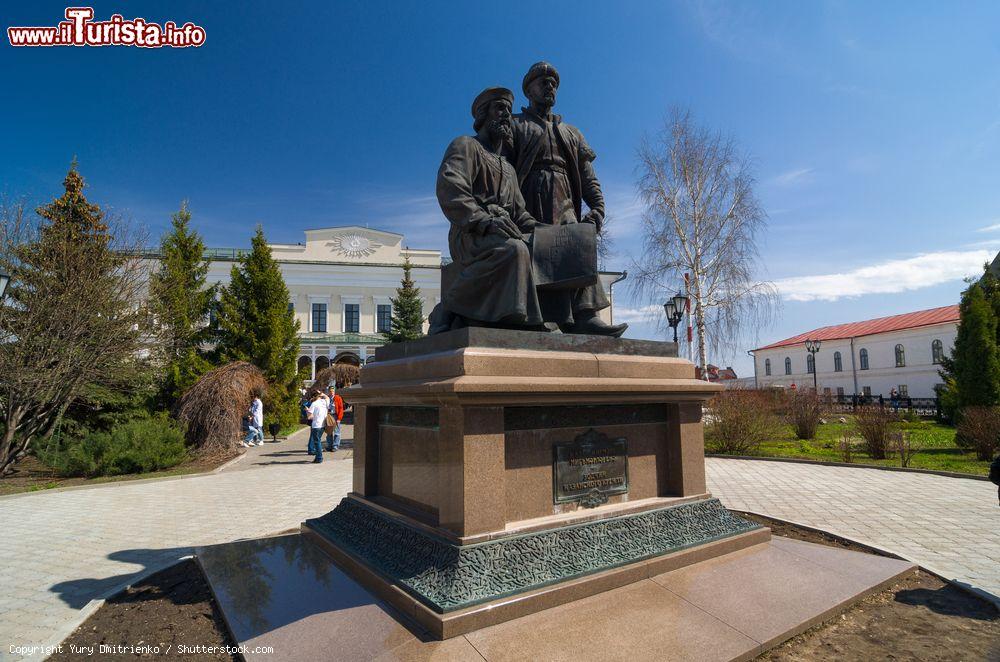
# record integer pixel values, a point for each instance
(255, 433)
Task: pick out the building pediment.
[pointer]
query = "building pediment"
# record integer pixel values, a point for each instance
(352, 242)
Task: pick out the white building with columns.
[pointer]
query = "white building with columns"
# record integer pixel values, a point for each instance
(874, 357)
(341, 280)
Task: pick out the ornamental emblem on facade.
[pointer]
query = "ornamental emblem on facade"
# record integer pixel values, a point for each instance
(354, 245)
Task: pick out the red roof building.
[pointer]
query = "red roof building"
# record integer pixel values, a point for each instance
(902, 322)
(899, 353)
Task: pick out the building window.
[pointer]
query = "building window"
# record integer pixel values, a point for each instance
(900, 357)
(291, 308)
(383, 318)
(788, 366)
(319, 318)
(903, 391)
(767, 367)
(864, 359)
(352, 317)
(867, 391)
(840, 393)
(937, 351)
(810, 363)
(838, 362)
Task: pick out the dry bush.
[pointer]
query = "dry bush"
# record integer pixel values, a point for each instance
(212, 410)
(344, 373)
(846, 447)
(905, 446)
(803, 411)
(873, 424)
(981, 427)
(740, 421)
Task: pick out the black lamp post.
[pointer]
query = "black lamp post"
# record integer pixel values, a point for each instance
(4, 279)
(812, 346)
(674, 308)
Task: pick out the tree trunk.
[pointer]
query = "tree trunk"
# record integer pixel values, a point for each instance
(699, 322)
(8, 448)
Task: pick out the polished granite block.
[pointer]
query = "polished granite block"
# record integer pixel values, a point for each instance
(641, 621)
(285, 593)
(773, 592)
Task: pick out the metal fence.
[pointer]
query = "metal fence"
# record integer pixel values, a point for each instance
(930, 407)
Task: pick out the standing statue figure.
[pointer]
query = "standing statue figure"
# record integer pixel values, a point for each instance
(555, 171)
(491, 278)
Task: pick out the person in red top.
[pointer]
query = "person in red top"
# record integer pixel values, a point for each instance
(337, 411)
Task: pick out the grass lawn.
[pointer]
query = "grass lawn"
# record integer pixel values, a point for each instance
(31, 475)
(936, 441)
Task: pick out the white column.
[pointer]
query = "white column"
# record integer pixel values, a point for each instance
(312, 363)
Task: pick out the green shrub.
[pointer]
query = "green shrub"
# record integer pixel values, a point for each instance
(137, 446)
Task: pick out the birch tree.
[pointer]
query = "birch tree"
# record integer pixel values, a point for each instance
(702, 218)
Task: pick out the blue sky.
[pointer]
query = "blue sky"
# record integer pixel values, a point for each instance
(874, 127)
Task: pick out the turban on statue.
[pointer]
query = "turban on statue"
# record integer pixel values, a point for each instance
(482, 102)
(538, 70)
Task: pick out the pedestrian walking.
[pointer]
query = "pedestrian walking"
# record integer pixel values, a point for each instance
(255, 422)
(337, 414)
(317, 423)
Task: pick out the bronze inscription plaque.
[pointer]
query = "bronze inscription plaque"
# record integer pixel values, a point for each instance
(590, 469)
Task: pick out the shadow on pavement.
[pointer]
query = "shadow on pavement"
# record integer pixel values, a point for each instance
(78, 592)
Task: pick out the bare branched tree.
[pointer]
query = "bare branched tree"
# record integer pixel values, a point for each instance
(69, 319)
(702, 218)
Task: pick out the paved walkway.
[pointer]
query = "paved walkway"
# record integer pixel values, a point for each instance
(951, 526)
(62, 549)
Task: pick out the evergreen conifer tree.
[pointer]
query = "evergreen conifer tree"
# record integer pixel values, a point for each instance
(975, 361)
(68, 319)
(181, 299)
(407, 310)
(256, 325)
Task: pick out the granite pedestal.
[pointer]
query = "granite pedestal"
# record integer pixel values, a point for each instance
(462, 514)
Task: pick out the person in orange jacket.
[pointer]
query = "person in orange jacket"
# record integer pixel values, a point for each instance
(337, 411)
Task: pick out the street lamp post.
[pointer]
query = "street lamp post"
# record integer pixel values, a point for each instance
(812, 346)
(4, 279)
(674, 308)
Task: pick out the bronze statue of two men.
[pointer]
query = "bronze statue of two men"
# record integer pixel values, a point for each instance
(523, 250)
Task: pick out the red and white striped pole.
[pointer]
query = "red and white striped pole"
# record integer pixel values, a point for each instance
(687, 293)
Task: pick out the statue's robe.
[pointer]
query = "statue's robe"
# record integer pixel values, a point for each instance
(556, 176)
(495, 284)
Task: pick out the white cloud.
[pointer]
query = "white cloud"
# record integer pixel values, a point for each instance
(641, 315)
(791, 177)
(624, 209)
(888, 277)
(990, 228)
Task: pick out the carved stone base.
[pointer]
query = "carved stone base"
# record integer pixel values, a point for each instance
(394, 558)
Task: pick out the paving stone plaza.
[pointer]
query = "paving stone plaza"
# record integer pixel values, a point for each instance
(67, 548)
